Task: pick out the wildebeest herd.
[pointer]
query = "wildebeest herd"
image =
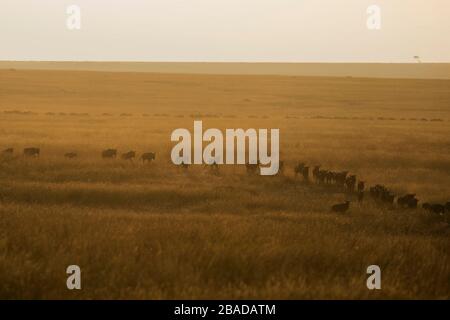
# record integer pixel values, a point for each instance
(108, 153)
(130, 155)
(342, 180)
(379, 193)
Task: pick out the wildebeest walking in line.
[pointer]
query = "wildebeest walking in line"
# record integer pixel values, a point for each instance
(382, 194)
(340, 177)
(434, 208)
(350, 183)
(130, 155)
(8, 151)
(341, 207)
(31, 152)
(321, 176)
(148, 156)
(408, 201)
(299, 168)
(71, 155)
(330, 177)
(315, 173)
(361, 186)
(441, 210)
(109, 153)
(305, 173)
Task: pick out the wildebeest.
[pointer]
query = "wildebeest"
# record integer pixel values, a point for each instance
(341, 207)
(130, 155)
(434, 208)
(109, 153)
(382, 194)
(447, 206)
(330, 177)
(305, 173)
(299, 168)
(361, 186)
(71, 155)
(340, 178)
(408, 201)
(350, 183)
(377, 191)
(321, 176)
(8, 151)
(388, 197)
(315, 172)
(148, 156)
(31, 152)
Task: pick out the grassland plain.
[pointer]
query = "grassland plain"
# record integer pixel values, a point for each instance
(157, 231)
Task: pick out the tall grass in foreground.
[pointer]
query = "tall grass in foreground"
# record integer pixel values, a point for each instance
(130, 254)
(156, 231)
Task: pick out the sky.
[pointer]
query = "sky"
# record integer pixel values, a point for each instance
(226, 30)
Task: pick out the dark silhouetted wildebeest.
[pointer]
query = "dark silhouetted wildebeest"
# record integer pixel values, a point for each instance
(321, 176)
(109, 153)
(130, 155)
(408, 201)
(305, 174)
(71, 155)
(381, 193)
(434, 208)
(447, 206)
(377, 191)
(299, 168)
(330, 177)
(32, 152)
(340, 178)
(8, 151)
(350, 183)
(315, 172)
(148, 156)
(341, 207)
(388, 197)
(361, 186)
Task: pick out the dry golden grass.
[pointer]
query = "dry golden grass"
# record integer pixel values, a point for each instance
(156, 231)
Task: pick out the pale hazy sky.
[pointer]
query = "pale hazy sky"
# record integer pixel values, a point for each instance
(226, 30)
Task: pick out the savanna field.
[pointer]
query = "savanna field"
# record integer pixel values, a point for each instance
(157, 231)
